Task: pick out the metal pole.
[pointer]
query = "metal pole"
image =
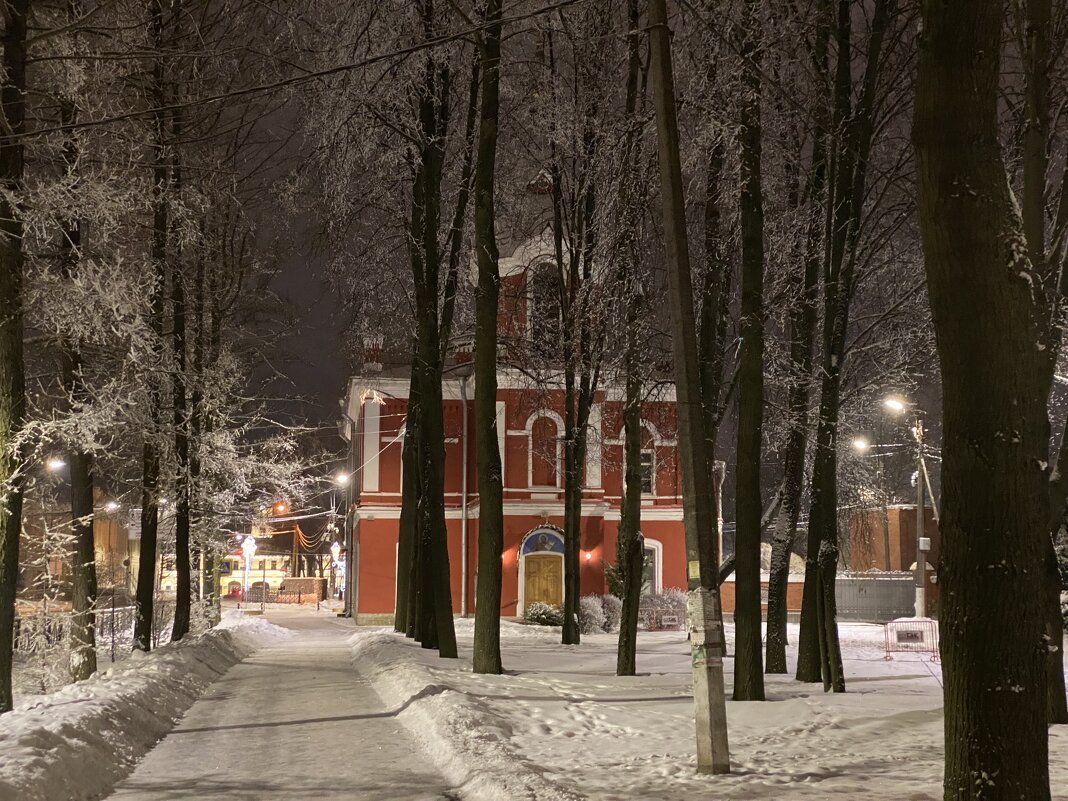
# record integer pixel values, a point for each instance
(463, 501)
(263, 589)
(921, 556)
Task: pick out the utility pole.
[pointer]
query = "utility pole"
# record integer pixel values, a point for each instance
(707, 642)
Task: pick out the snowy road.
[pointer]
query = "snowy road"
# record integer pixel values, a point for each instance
(294, 721)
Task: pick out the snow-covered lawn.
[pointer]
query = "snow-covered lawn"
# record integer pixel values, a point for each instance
(78, 741)
(561, 725)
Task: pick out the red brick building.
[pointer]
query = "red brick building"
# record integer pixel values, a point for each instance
(530, 430)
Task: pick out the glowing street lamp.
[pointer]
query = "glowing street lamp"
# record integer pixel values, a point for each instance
(342, 479)
(861, 444)
(895, 405)
(248, 550)
(281, 507)
(111, 506)
(55, 464)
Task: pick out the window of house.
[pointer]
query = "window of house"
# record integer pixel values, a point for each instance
(648, 471)
(649, 572)
(544, 453)
(274, 564)
(544, 310)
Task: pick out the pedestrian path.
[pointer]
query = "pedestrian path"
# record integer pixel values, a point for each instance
(294, 721)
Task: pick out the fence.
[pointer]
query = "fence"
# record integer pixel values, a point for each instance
(909, 635)
(114, 628)
(874, 596)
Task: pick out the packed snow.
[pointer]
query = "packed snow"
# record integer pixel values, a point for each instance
(561, 726)
(75, 743)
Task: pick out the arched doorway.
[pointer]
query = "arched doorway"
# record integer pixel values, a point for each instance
(541, 568)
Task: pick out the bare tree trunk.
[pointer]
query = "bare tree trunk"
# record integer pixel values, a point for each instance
(1038, 15)
(748, 663)
(995, 496)
(630, 550)
(182, 563)
(146, 569)
(486, 657)
(12, 365)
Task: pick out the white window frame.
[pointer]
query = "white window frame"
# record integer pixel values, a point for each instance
(658, 568)
(559, 421)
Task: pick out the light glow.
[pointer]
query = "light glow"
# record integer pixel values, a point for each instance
(861, 444)
(895, 405)
(56, 464)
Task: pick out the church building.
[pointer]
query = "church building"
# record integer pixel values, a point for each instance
(530, 429)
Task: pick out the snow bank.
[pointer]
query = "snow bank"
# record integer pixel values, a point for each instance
(77, 742)
(469, 742)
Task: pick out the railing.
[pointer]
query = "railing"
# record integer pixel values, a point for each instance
(658, 618)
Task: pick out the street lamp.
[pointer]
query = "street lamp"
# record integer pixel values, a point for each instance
(861, 444)
(111, 506)
(923, 544)
(55, 464)
(342, 479)
(248, 550)
(281, 507)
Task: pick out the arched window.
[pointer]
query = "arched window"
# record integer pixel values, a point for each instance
(544, 453)
(544, 310)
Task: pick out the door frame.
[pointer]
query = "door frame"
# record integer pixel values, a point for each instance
(521, 606)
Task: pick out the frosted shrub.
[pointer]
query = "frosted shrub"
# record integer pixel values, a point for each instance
(613, 612)
(544, 614)
(591, 615)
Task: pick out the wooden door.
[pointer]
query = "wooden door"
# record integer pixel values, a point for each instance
(544, 579)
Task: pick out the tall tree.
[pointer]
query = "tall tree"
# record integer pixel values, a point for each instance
(12, 365)
(853, 131)
(144, 600)
(630, 548)
(486, 657)
(748, 665)
(995, 496)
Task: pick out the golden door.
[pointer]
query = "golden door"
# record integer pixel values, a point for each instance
(544, 579)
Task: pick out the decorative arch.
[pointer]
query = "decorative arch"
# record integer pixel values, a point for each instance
(544, 470)
(656, 573)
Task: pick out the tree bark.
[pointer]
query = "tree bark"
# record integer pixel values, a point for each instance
(146, 569)
(630, 548)
(12, 365)
(486, 657)
(995, 496)
(748, 662)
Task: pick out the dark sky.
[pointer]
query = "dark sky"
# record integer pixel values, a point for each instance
(310, 353)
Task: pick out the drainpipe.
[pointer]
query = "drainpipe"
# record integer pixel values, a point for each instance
(463, 502)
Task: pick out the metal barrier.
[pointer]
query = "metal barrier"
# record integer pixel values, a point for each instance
(661, 618)
(874, 596)
(912, 635)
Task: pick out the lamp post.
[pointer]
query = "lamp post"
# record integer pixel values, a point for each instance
(923, 544)
(248, 550)
(335, 553)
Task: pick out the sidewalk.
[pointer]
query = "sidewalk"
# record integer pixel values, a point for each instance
(294, 721)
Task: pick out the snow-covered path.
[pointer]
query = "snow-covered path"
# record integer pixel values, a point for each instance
(293, 721)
